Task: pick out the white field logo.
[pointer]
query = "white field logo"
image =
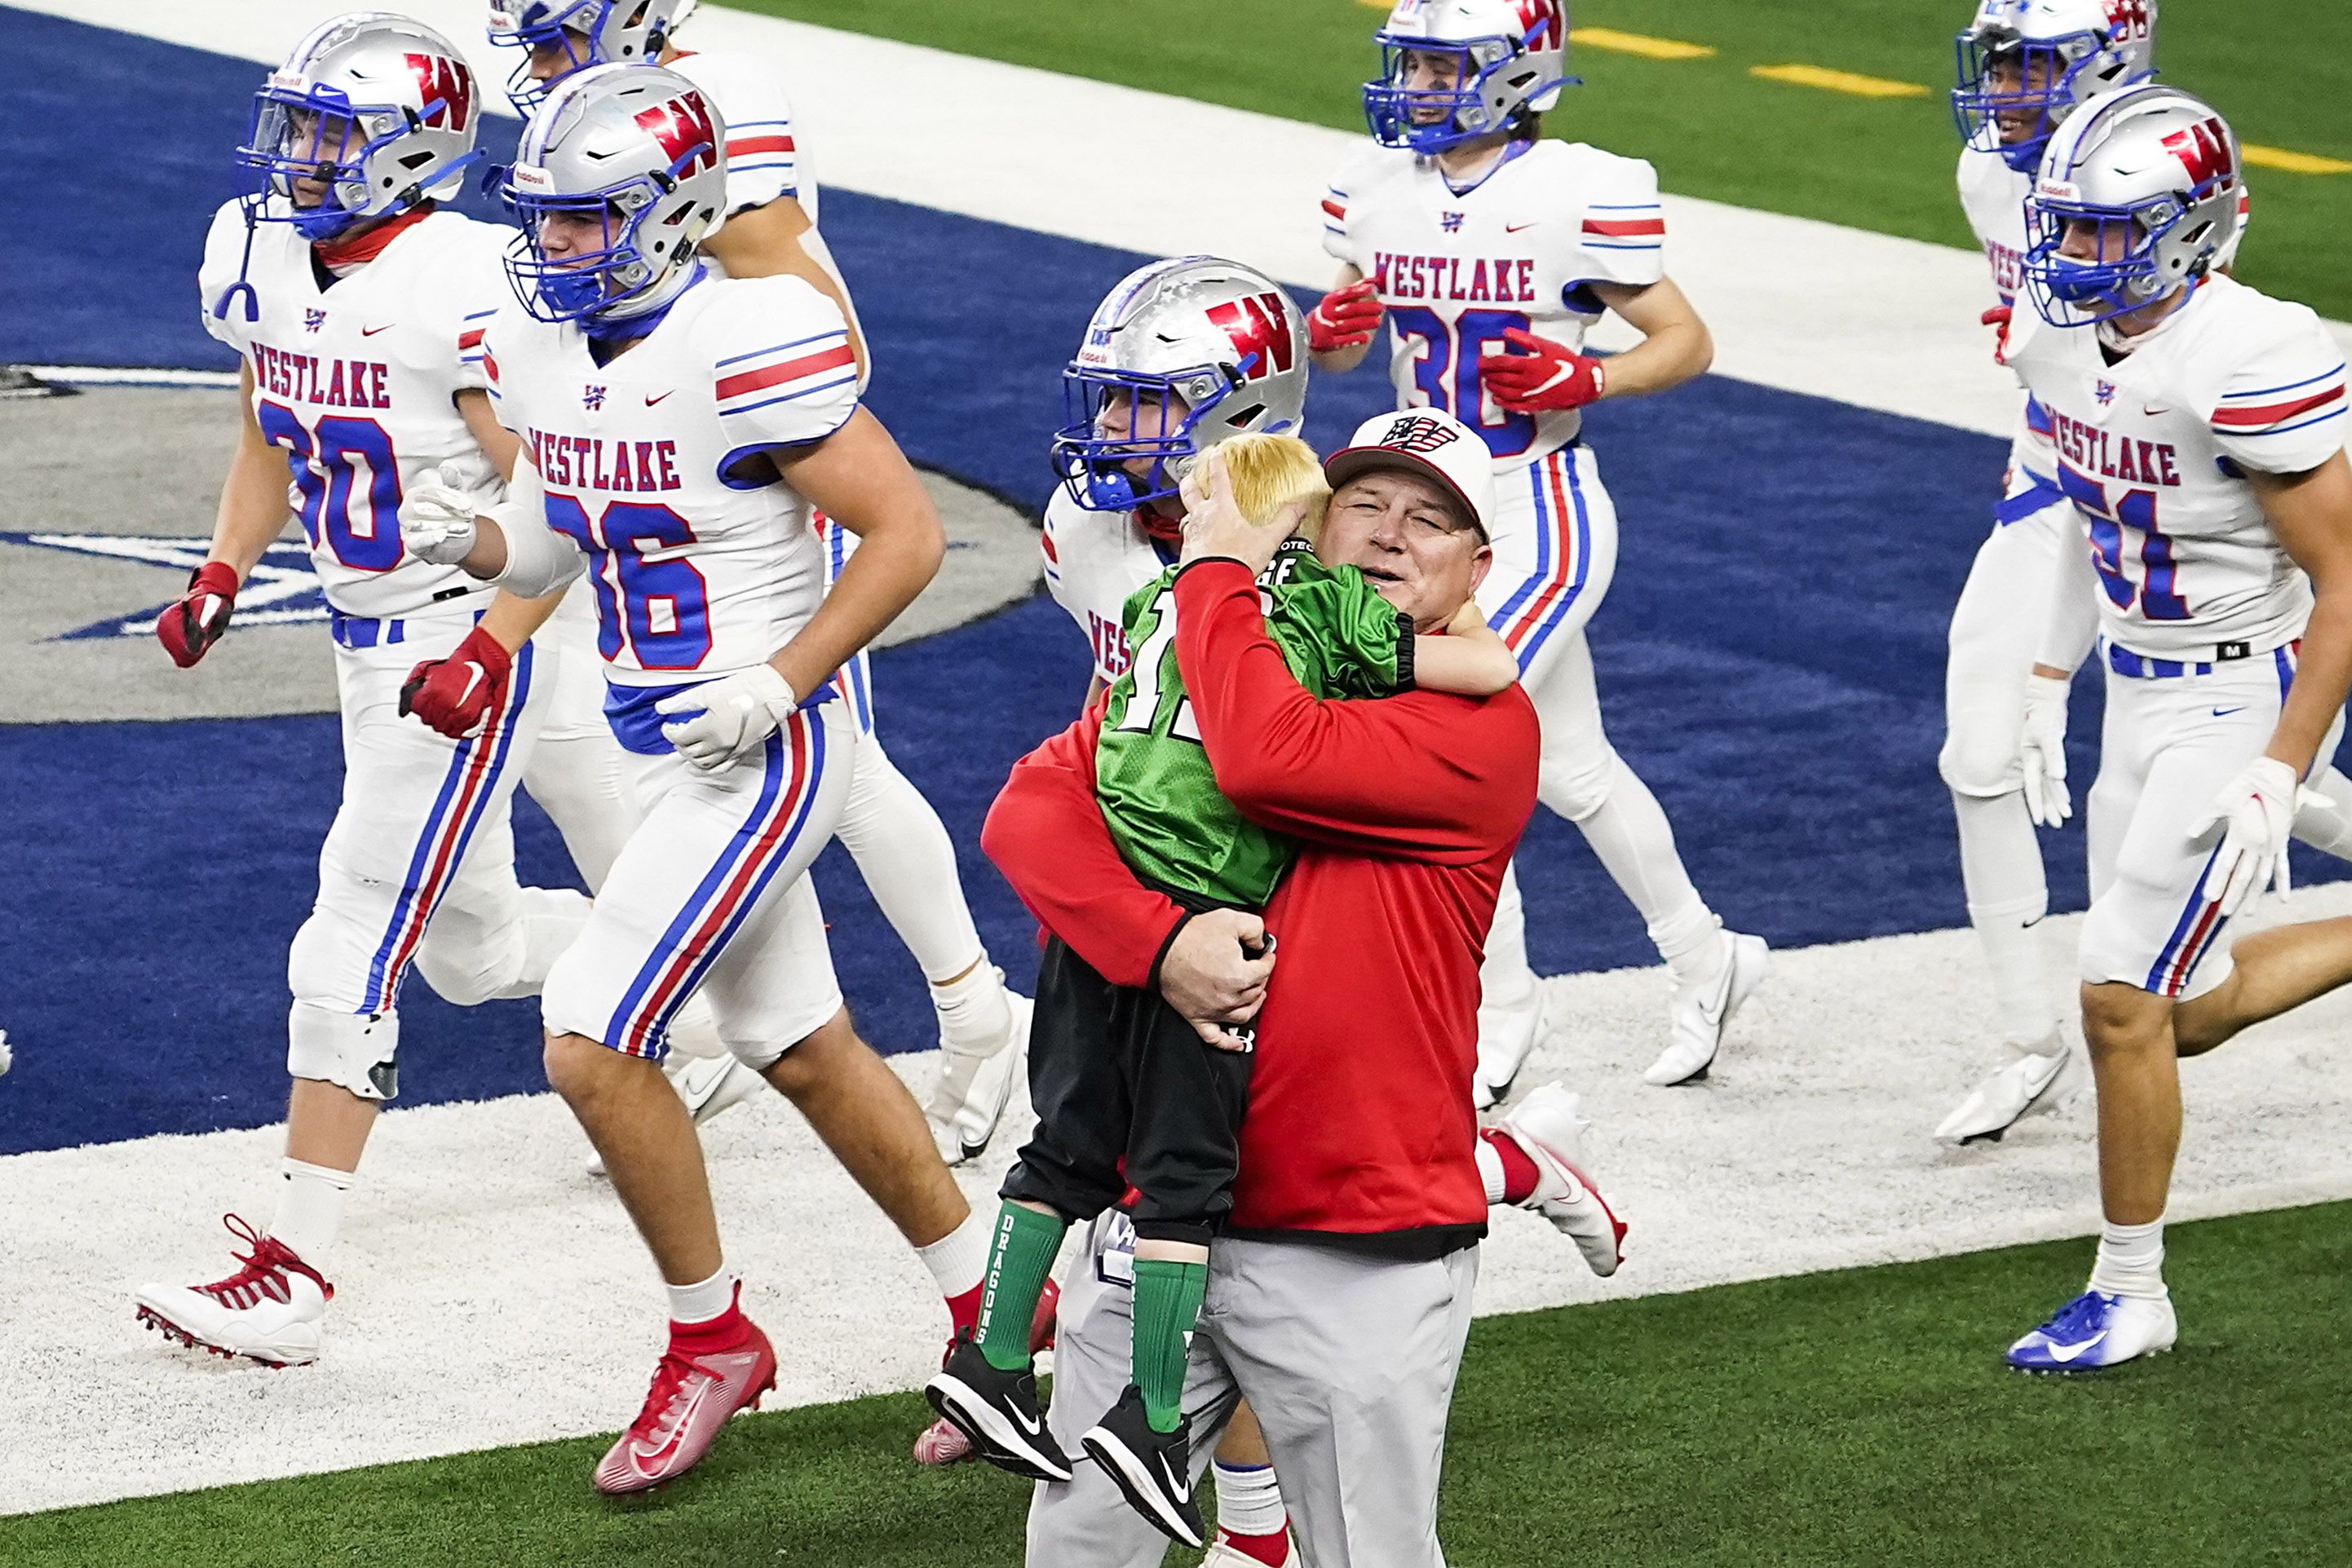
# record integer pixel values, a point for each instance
(280, 590)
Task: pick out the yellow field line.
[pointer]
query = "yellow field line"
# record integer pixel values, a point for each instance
(1636, 44)
(1839, 81)
(2294, 162)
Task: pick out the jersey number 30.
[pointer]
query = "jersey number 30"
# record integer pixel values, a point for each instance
(662, 606)
(325, 464)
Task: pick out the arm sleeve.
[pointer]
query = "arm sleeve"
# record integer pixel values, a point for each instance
(2073, 623)
(2283, 411)
(1621, 226)
(1445, 779)
(1047, 834)
(538, 559)
(782, 366)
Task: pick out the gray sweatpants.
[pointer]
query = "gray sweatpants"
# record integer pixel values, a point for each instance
(1348, 1362)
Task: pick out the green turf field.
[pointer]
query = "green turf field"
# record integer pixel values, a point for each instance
(1855, 1418)
(2281, 70)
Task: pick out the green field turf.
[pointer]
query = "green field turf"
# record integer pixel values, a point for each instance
(2281, 70)
(1858, 1417)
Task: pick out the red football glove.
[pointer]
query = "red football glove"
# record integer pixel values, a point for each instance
(1345, 317)
(1548, 376)
(195, 621)
(1998, 318)
(455, 695)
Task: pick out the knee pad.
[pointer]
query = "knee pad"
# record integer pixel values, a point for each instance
(504, 961)
(351, 1051)
(330, 961)
(1575, 787)
(1978, 762)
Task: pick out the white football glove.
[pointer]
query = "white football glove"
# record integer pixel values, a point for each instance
(2042, 750)
(436, 516)
(735, 715)
(2256, 810)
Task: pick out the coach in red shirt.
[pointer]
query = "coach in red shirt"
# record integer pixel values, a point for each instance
(1339, 1297)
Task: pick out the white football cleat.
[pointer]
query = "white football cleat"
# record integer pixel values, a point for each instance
(2096, 1329)
(968, 1102)
(1547, 1125)
(1505, 1040)
(1699, 1017)
(707, 1084)
(269, 1311)
(2036, 1081)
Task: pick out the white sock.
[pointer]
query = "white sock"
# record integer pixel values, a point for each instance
(2131, 1260)
(310, 1208)
(1249, 1501)
(1490, 1170)
(700, 1302)
(2000, 868)
(974, 1017)
(959, 1260)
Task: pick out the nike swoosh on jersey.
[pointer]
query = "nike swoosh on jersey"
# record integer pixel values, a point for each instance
(2226, 712)
(371, 331)
(2064, 1352)
(651, 401)
(1514, 228)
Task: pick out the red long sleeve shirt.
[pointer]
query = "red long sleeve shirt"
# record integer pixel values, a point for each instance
(1359, 1128)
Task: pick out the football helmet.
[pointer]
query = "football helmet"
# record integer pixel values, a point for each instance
(1510, 57)
(590, 33)
(2154, 174)
(2062, 53)
(640, 150)
(379, 108)
(1225, 339)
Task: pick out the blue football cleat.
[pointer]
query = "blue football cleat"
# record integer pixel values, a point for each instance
(2096, 1329)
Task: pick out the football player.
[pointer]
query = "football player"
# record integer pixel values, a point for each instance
(355, 306)
(769, 227)
(680, 431)
(1489, 253)
(2197, 428)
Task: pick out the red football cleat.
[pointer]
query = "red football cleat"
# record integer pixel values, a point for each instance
(709, 1371)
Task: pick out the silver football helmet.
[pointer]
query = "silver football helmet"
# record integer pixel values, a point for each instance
(2026, 65)
(377, 108)
(1509, 57)
(1179, 356)
(2138, 195)
(641, 151)
(589, 31)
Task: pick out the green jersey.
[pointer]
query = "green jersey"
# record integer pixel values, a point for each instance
(1157, 794)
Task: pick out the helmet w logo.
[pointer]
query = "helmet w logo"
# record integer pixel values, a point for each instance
(1542, 25)
(2204, 150)
(1260, 332)
(683, 127)
(446, 87)
(1417, 432)
(2128, 18)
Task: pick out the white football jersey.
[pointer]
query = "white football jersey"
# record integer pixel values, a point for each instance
(1993, 194)
(1094, 561)
(697, 575)
(2153, 450)
(764, 158)
(356, 378)
(1456, 268)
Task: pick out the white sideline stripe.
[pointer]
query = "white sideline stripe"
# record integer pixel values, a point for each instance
(490, 1293)
(130, 376)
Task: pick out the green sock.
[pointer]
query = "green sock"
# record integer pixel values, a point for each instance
(1019, 1259)
(1167, 1305)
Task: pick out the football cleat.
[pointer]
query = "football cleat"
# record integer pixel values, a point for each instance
(1506, 1040)
(270, 1310)
(1153, 1470)
(2045, 1080)
(1547, 1126)
(1700, 1016)
(997, 1411)
(709, 1085)
(967, 1103)
(2096, 1329)
(941, 1443)
(709, 1371)
(1224, 1553)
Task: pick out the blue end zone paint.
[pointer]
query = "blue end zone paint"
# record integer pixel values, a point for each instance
(1770, 654)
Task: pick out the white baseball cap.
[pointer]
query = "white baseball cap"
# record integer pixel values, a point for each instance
(1430, 443)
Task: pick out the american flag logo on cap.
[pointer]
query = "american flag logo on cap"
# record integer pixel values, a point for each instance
(1419, 433)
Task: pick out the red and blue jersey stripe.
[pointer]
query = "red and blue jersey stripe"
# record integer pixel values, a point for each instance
(475, 768)
(759, 849)
(2275, 411)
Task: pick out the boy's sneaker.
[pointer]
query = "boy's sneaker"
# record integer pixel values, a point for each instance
(270, 1310)
(1152, 1470)
(997, 1411)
